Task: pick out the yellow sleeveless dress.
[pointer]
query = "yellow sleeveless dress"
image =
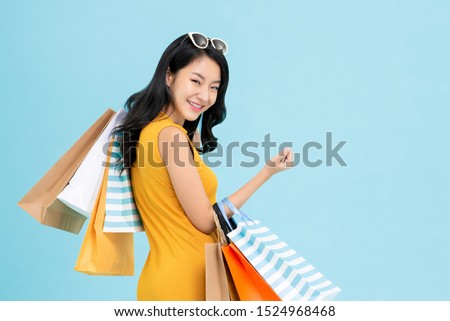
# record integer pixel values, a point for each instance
(175, 267)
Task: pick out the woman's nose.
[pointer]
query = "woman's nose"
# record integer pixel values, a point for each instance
(203, 95)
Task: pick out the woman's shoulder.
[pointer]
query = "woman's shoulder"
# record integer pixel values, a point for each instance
(153, 129)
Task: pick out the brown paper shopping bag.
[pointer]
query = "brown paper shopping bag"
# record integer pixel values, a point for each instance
(219, 283)
(105, 253)
(216, 278)
(41, 200)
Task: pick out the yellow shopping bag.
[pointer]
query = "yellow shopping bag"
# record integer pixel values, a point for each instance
(105, 253)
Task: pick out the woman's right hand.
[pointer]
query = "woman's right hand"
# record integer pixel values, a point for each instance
(276, 164)
(281, 162)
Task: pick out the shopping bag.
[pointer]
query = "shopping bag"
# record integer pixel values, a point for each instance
(219, 284)
(41, 200)
(288, 273)
(216, 278)
(122, 215)
(82, 189)
(105, 253)
(250, 286)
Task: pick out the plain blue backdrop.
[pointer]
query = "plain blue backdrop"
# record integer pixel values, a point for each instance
(374, 73)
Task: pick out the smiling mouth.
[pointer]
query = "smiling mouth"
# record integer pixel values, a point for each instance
(195, 105)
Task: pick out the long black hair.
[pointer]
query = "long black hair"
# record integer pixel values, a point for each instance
(145, 105)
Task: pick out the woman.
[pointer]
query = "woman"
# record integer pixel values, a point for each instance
(173, 188)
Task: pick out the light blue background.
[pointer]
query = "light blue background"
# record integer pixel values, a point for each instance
(375, 73)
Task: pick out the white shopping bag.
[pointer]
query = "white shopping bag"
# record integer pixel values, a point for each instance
(121, 213)
(82, 190)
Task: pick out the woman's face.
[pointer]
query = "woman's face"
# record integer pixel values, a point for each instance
(194, 89)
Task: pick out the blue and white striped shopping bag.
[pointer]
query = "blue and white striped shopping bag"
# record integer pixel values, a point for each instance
(288, 273)
(121, 212)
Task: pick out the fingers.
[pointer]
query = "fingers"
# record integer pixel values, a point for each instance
(283, 159)
(286, 157)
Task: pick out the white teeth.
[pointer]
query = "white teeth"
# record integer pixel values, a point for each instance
(195, 105)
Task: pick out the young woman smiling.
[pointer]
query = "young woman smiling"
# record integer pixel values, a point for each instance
(175, 200)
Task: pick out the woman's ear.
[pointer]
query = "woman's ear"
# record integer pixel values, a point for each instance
(169, 77)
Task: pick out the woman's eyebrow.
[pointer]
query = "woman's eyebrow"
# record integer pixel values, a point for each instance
(203, 78)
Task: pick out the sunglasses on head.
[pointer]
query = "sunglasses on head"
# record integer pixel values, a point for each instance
(201, 41)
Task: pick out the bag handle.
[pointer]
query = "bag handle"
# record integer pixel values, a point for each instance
(235, 211)
(221, 237)
(224, 215)
(221, 224)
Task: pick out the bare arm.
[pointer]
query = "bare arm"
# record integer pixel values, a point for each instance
(178, 158)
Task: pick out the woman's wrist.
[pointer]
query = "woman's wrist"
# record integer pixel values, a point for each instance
(266, 173)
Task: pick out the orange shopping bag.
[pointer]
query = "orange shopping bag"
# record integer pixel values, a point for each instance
(105, 253)
(249, 284)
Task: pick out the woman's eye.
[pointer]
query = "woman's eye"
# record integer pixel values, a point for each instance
(215, 88)
(196, 81)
